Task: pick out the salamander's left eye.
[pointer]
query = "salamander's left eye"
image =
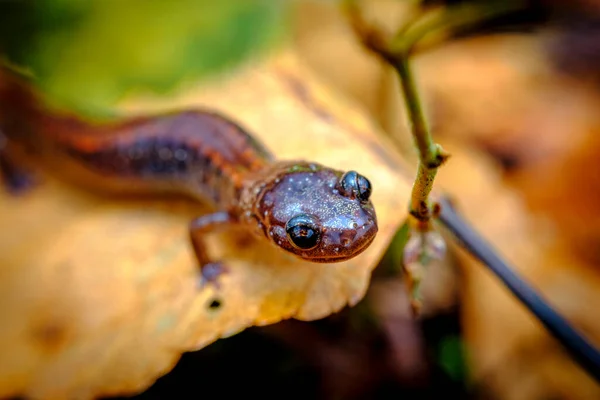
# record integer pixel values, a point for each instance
(353, 184)
(303, 232)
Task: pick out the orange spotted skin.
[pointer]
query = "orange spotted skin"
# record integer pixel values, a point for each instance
(311, 211)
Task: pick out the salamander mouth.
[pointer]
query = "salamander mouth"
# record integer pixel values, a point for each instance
(336, 259)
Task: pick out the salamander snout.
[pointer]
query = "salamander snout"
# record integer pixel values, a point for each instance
(331, 237)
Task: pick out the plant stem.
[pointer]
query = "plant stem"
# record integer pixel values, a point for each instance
(419, 128)
(431, 155)
(445, 21)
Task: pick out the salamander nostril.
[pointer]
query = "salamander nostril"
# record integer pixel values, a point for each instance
(346, 238)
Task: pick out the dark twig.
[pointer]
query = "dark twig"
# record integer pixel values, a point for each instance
(579, 347)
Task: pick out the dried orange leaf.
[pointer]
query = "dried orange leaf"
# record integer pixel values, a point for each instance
(98, 295)
(501, 334)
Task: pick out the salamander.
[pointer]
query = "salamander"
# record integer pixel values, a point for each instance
(314, 212)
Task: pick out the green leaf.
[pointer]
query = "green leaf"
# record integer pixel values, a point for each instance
(451, 358)
(86, 54)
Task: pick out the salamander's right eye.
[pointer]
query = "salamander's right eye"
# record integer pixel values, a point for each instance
(303, 232)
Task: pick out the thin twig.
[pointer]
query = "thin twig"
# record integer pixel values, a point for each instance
(578, 346)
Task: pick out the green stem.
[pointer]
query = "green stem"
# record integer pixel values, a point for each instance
(446, 21)
(418, 125)
(431, 155)
(419, 201)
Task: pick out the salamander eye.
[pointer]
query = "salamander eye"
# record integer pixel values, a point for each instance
(303, 232)
(353, 184)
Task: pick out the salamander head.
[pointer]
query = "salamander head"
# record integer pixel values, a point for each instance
(319, 214)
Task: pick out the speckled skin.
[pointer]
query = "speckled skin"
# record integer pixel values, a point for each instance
(202, 154)
(288, 189)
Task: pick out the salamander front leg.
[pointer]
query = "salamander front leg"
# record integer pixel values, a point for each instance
(209, 270)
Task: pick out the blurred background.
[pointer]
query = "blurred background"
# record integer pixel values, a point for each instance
(514, 99)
